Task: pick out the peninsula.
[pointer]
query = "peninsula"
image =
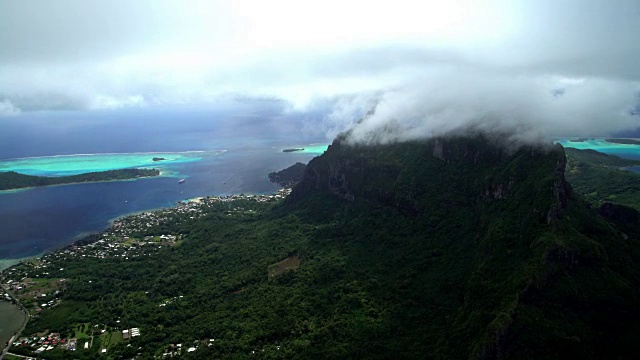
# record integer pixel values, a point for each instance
(289, 176)
(293, 150)
(12, 180)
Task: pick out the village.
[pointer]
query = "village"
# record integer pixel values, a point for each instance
(82, 339)
(38, 284)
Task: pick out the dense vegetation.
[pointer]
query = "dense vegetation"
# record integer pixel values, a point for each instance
(602, 178)
(446, 249)
(12, 180)
(289, 176)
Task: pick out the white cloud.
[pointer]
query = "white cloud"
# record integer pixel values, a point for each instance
(430, 64)
(8, 109)
(108, 102)
(524, 104)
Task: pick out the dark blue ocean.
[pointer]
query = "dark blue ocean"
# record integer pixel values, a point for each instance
(41, 219)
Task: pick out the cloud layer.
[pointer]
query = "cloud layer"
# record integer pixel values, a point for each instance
(551, 68)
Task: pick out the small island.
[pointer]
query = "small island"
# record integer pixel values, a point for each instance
(293, 150)
(289, 176)
(624, 141)
(158, 159)
(12, 180)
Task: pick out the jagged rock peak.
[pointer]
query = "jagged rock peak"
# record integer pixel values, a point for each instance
(405, 175)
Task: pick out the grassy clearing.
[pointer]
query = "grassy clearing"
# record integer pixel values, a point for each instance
(42, 285)
(129, 242)
(290, 263)
(116, 337)
(109, 339)
(82, 331)
(104, 340)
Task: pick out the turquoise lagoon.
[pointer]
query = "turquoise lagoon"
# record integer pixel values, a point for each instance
(315, 149)
(63, 165)
(627, 151)
(311, 149)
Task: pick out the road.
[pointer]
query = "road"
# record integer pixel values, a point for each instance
(20, 356)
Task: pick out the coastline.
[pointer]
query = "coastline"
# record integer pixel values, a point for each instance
(82, 237)
(8, 262)
(105, 223)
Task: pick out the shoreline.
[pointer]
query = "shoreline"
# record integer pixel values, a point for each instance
(8, 262)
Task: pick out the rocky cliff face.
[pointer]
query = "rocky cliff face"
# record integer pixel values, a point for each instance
(561, 190)
(406, 175)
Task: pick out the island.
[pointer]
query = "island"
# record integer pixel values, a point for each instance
(624, 141)
(12, 180)
(289, 176)
(158, 159)
(293, 150)
(374, 241)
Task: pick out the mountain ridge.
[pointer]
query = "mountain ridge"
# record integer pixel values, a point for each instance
(553, 232)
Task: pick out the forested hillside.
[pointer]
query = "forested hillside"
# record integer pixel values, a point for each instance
(451, 248)
(604, 178)
(10, 180)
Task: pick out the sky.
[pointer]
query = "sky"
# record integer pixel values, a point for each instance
(541, 68)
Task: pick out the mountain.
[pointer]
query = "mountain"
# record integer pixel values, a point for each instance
(455, 247)
(486, 251)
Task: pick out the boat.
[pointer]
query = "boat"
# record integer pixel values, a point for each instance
(181, 181)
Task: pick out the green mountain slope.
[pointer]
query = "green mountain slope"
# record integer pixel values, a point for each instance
(452, 248)
(489, 254)
(600, 177)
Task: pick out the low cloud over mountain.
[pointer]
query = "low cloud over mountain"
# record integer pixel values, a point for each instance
(547, 67)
